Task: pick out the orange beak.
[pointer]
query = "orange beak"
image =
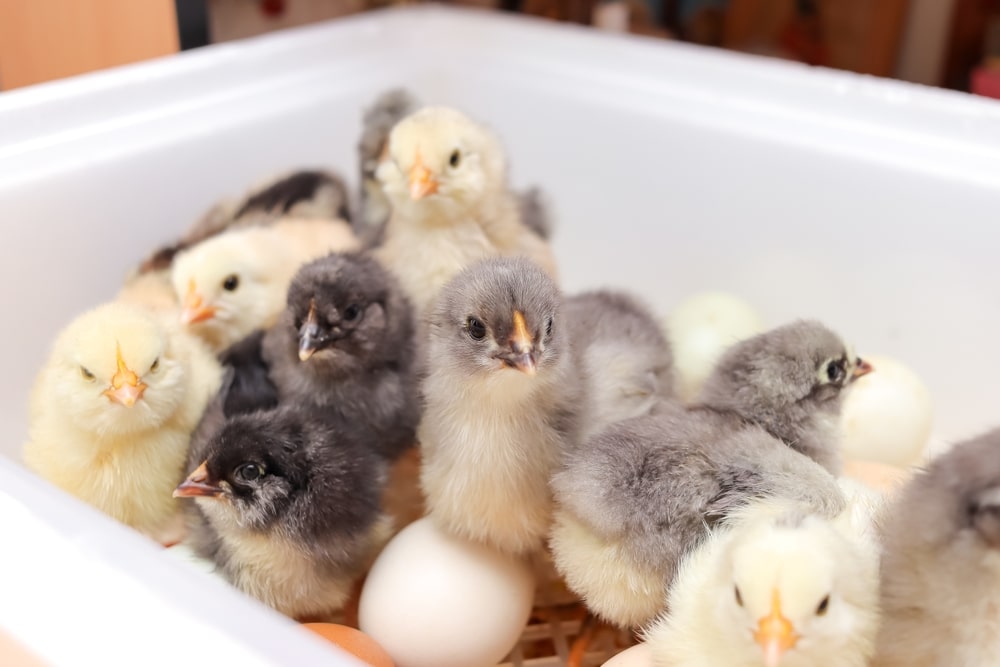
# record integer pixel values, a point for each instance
(775, 634)
(125, 386)
(197, 484)
(521, 346)
(195, 309)
(861, 367)
(421, 181)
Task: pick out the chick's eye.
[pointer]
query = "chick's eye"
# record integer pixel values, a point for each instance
(548, 328)
(249, 472)
(231, 283)
(455, 158)
(823, 606)
(739, 598)
(835, 371)
(155, 365)
(351, 312)
(87, 375)
(476, 329)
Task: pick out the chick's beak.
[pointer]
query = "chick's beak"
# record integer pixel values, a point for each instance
(197, 484)
(309, 334)
(861, 367)
(775, 634)
(195, 309)
(422, 182)
(521, 356)
(125, 387)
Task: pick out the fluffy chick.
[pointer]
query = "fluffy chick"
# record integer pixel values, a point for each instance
(634, 500)
(346, 344)
(941, 562)
(287, 506)
(113, 410)
(774, 586)
(501, 395)
(377, 122)
(789, 380)
(236, 282)
(446, 180)
(626, 361)
(305, 194)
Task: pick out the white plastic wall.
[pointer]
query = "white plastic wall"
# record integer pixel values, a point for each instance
(867, 203)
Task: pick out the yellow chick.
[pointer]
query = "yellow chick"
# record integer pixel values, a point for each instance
(446, 179)
(237, 282)
(152, 290)
(112, 412)
(776, 586)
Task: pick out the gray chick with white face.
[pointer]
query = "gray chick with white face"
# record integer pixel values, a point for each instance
(789, 380)
(288, 505)
(941, 563)
(346, 344)
(500, 397)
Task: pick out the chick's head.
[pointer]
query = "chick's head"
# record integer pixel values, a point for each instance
(114, 371)
(498, 319)
(440, 164)
(346, 314)
(255, 468)
(229, 285)
(793, 591)
(800, 367)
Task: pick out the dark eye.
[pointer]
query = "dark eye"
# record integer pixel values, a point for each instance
(548, 328)
(351, 313)
(250, 472)
(155, 365)
(739, 598)
(476, 329)
(87, 375)
(455, 158)
(835, 371)
(231, 283)
(823, 606)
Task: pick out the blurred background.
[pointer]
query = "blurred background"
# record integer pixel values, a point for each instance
(949, 43)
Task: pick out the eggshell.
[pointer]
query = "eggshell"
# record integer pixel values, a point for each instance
(431, 600)
(700, 329)
(637, 656)
(355, 642)
(887, 415)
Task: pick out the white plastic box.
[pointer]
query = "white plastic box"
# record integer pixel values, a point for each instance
(870, 204)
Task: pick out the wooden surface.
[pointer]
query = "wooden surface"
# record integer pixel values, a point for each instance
(41, 40)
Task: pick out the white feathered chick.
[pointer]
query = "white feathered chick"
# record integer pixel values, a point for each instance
(112, 413)
(775, 586)
(446, 179)
(236, 282)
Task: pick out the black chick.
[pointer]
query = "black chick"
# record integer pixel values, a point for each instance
(346, 344)
(287, 505)
(248, 387)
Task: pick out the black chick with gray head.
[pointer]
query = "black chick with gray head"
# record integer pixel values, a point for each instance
(941, 562)
(288, 505)
(790, 381)
(346, 344)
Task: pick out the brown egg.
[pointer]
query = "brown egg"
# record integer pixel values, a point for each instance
(352, 641)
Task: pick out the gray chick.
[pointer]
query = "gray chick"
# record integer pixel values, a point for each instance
(287, 506)
(789, 380)
(941, 563)
(641, 495)
(625, 358)
(346, 344)
(500, 395)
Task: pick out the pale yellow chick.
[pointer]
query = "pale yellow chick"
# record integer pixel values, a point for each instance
(152, 290)
(112, 412)
(446, 178)
(775, 587)
(237, 282)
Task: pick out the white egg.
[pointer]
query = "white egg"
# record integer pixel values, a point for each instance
(432, 600)
(886, 415)
(637, 656)
(700, 329)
